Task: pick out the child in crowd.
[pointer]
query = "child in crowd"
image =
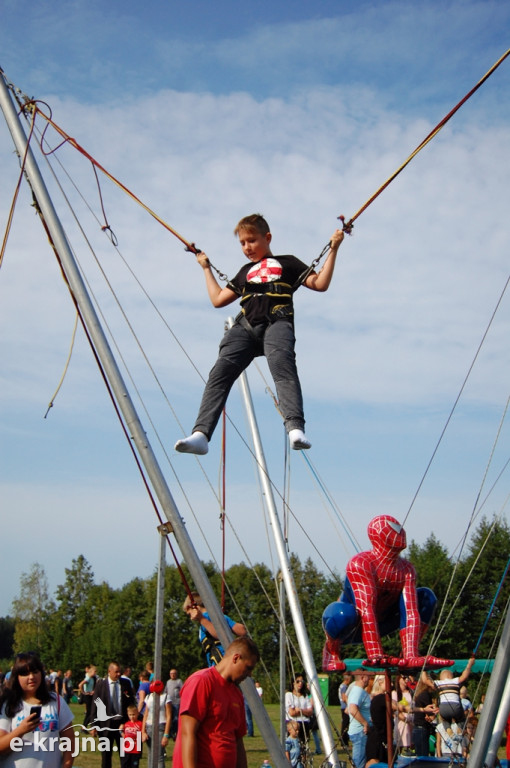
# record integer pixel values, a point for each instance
(450, 741)
(469, 736)
(293, 745)
(265, 326)
(131, 739)
(448, 687)
(211, 645)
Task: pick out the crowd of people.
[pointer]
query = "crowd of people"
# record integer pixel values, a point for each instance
(34, 703)
(35, 706)
(429, 717)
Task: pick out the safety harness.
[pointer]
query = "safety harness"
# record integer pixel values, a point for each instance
(448, 689)
(211, 648)
(279, 294)
(280, 307)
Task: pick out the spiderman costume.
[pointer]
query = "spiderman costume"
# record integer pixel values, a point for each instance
(380, 596)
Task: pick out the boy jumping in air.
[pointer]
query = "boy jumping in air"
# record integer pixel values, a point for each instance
(265, 326)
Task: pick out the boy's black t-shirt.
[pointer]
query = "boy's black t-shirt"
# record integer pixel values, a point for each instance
(284, 269)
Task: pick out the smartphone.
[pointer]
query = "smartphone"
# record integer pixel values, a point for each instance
(36, 711)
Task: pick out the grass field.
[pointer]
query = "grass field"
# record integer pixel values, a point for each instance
(256, 750)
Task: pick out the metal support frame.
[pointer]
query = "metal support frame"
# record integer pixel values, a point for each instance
(128, 411)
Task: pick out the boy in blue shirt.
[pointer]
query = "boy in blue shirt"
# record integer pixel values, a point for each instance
(293, 745)
(211, 645)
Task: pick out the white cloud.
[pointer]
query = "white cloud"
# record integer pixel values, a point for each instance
(382, 355)
(426, 263)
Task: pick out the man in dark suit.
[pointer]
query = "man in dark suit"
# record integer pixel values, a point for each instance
(111, 698)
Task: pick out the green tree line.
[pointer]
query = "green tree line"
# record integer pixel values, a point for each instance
(86, 622)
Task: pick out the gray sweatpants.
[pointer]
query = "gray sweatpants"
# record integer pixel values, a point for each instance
(237, 349)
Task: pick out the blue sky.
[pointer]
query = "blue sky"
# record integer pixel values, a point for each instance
(209, 111)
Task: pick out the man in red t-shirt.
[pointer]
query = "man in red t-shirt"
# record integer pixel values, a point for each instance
(212, 721)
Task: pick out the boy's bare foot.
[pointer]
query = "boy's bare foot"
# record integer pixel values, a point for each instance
(298, 440)
(196, 443)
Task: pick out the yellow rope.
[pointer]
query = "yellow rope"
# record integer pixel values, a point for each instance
(73, 337)
(68, 139)
(428, 138)
(347, 226)
(15, 196)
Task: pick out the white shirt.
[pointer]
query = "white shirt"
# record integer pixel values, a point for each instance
(300, 702)
(55, 717)
(163, 698)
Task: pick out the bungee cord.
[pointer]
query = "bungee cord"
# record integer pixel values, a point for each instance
(106, 227)
(492, 650)
(347, 226)
(131, 378)
(32, 105)
(16, 191)
(489, 462)
(439, 623)
(273, 397)
(183, 576)
(156, 378)
(491, 609)
(460, 546)
(122, 423)
(457, 399)
(489, 492)
(331, 502)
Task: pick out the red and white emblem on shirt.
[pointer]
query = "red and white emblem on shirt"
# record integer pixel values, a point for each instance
(265, 271)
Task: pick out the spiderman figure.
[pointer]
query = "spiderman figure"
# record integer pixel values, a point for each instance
(380, 596)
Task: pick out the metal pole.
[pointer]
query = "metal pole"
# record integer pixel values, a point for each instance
(283, 658)
(499, 726)
(288, 578)
(163, 531)
(128, 410)
(494, 699)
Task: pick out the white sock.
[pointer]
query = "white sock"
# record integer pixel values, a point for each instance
(196, 443)
(298, 441)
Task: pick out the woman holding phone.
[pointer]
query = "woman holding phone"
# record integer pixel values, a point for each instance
(33, 720)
